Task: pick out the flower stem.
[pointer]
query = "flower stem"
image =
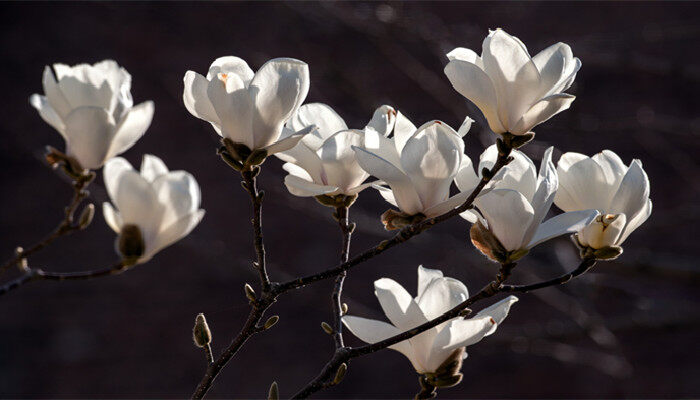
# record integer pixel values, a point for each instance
(342, 215)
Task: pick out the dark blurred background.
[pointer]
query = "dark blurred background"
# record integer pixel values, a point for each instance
(629, 328)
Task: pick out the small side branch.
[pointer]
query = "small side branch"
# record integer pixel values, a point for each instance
(342, 215)
(65, 227)
(32, 275)
(585, 265)
(250, 184)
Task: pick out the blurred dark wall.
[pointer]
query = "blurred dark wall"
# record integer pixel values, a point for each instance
(627, 329)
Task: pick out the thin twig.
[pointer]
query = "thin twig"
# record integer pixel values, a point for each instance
(585, 265)
(34, 274)
(342, 215)
(65, 227)
(250, 184)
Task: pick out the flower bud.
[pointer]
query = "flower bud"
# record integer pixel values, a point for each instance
(273, 393)
(326, 328)
(393, 219)
(603, 232)
(340, 373)
(86, 216)
(201, 333)
(271, 321)
(447, 374)
(249, 292)
(130, 243)
(344, 308)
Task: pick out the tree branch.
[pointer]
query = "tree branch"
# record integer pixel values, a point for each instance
(585, 265)
(250, 184)
(65, 227)
(342, 215)
(33, 274)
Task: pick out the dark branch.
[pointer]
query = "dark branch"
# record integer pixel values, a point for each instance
(585, 265)
(346, 228)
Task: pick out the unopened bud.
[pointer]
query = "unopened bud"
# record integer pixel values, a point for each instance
(273, 393)
(130, 243)
(393, 219)
(326, 328)
(271, 321)
(608, 253)
(340, 373)
(249, 292)
(344, 308)
(201, 333)
(86, 216)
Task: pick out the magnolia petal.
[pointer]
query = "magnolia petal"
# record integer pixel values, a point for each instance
(465, 127)
(179, 192)
(542, 111)
(386, 193)
(508, 214)
(635, 222)
(470, 216)
(447, 205)
(472, 82)
(398, 305)
(633, 193)
(568, 222)
(47, 113)
(133, 125)
(404, 193)
(520, 174)
(466, 179)
(585, 183)
(285, 144)
(382, 146)
(196, 98)
(234, 108)
(383, 120)
(431, 158)
(89, 133)
(612, 166)
(230, 65)
(306, 158)
(498, 312)
(173, 233)
(303, 188)
(54, 95)
(112, 217)
(152, 167)
(547, 184)
(323, 116)
(403, 130)
(373, 331)
(296, 170)
(111, 174)
(463, 54)
(278, 89)
(425, 276)
(440, 296)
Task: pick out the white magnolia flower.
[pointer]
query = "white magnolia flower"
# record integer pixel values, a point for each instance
(514, 91)
(91, 107)
(519, 199)
(163, 204)
(323, 163)
(419, 165)
(436, 295)
(246, 107)
(603, 182)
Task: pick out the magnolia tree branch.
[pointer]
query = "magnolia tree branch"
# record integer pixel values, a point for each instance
(65, 227)
(341, 214)
(344, 355)
(35, 274)
(250, 184)
(263, 302)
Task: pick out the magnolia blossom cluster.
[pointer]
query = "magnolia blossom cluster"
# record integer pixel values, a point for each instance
(421, 170)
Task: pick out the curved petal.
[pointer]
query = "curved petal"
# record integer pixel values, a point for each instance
(585, 183)
(431, 159)
(152, 167)
(382, 146)
(173, 232)
(633, 193)
(111, 175)
(406, 196)
(558, 68)
(386, 193)
(133, 125)
(465, 127)
(466, 179)
(54, 95)
(138, 204)
(425, 276)
(230, 65)
(612, 166)
(547, 184)
(383, 120)
(373, 331)
(339, 161)
(398, 305)
(508, 214)
(278, 89)
(112, 217)
(323, 116)
(179, 193)
(441, 295)
(89, 133)
(568, 222)
(403, 130)
(520, 174)
(285, 144)
(448, 205)
(498, 312)
(196, 98)
(234, 108)
(542, 111)
(472, 82)
(463, 54)
(635, 222)
(47, 113)
(80, 93)
(303, 188)
(514, 75)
